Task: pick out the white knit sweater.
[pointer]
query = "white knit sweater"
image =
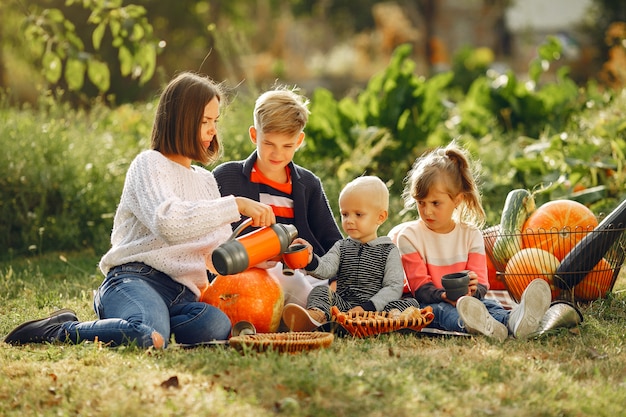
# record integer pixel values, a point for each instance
(171, 218)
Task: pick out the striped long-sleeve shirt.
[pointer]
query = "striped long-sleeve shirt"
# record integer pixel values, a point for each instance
(366, 272)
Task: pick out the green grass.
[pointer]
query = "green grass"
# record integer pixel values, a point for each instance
(581, 372)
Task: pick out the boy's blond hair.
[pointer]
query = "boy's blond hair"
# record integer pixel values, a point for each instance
(281, 110)
(373, 187)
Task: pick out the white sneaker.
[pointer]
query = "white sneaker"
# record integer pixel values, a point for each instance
(525, 318)
(477, 319)
(298, 319)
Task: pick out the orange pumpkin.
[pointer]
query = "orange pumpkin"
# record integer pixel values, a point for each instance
(252, 295)
(490, 236)
(557, 226)
(596, 284)
(529, 264)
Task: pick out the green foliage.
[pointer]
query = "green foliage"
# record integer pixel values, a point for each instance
(528, 107)
(533, 106)
(398, 110)
(584, 162)
(62, 169)
(572, 372)
(525, 134)
(61, 173)
(68, 59)
(468, 64)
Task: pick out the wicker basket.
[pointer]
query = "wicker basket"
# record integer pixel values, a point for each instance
(371, 323)
(282, 342)
(539, 248)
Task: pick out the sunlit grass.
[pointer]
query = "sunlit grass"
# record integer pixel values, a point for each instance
(572, 373)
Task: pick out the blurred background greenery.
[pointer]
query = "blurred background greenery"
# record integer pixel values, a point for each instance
(90, 72)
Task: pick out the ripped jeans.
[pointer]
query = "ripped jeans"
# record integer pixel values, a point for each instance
(135, 300)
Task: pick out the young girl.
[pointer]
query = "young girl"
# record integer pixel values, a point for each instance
(169, 219)
(447, 238)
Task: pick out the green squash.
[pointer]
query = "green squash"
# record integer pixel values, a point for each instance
(519, 204)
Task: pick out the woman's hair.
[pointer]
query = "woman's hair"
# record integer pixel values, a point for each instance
(179, 114)
(373, 187)
(281, 110)
(450, 167)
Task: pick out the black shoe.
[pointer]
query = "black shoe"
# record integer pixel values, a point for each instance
(41, 330)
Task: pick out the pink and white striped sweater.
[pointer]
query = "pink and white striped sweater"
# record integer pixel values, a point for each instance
(427, 256)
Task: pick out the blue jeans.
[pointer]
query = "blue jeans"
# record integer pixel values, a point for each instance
(136, 300)
(447, 316)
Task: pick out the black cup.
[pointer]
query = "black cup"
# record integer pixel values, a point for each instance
(456, 285)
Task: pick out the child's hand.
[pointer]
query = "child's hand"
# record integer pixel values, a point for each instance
(261, 214)
(309, 247)
(444, 297)
(473, 283)
(471, 288)
(357, 309)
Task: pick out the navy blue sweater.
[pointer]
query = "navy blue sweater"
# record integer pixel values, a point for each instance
(312, 214)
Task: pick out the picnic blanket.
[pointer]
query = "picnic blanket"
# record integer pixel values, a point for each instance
(503, 296)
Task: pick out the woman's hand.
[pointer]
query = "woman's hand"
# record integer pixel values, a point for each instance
(261, 214)
(208, 262)
(269, 264)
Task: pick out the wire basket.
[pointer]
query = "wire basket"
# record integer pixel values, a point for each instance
(292, 342)
(520, 257)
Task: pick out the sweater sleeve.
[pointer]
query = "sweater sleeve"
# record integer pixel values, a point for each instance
(416, 270)
(477, 262)
(326, 266)
(175, 203)
(429, 294)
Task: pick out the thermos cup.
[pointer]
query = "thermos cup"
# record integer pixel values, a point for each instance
(239, 253)
(456, 284)
(295, 257)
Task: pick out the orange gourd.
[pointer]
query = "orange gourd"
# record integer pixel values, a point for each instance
(529, 264)
(596, 284)
(252, 295)
(557, 226)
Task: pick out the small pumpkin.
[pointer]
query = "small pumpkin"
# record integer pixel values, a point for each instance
(557, 226)
(592, 248)
(596, 284)
(252, 295)
(527, 265)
